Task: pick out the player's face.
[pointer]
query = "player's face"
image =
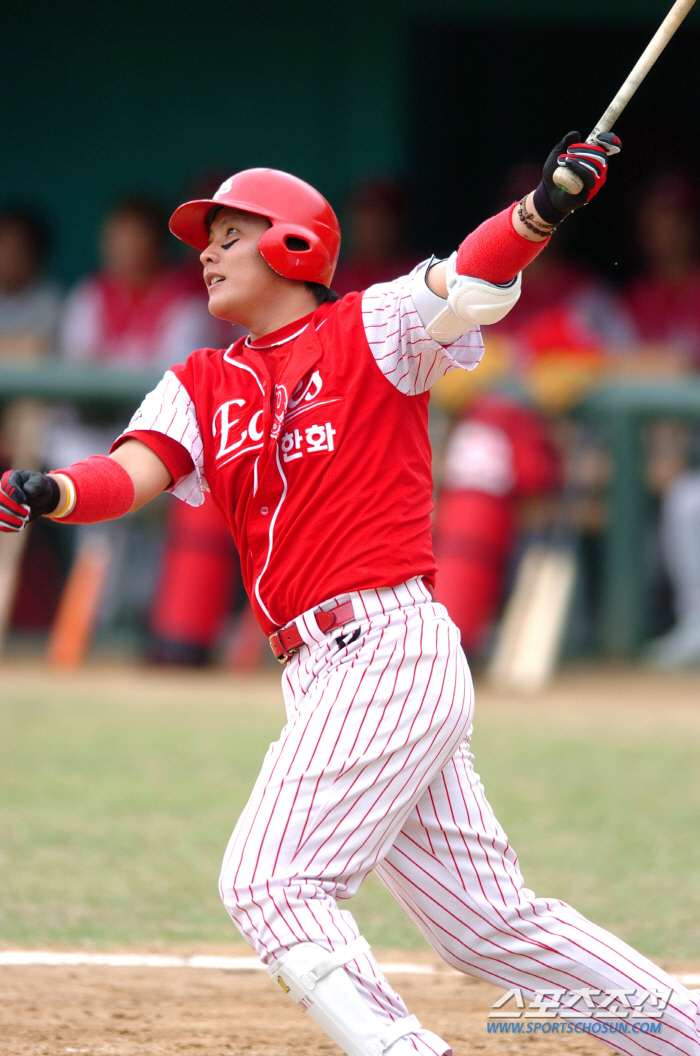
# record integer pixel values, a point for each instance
(235, 274)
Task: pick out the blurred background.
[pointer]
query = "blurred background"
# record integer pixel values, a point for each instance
(417, 121)
(578, 434)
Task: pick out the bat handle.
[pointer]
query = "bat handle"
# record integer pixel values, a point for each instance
(566, 180)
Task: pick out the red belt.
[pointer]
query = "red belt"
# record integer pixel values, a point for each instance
(285, 643)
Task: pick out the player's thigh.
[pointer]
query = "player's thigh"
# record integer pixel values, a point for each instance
(452, 842)
(360, 748)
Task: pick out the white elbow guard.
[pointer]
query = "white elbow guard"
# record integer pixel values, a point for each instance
(470, 302)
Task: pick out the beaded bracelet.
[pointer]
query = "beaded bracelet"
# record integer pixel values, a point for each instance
(525, 217)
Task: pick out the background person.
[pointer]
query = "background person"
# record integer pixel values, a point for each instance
(143, 310)
(504, 453)
(377, 237)
(664, 304)
(664, 299)
(30, 305)
(29, 302)
(198, 582)
(498, 453)
(139, 309)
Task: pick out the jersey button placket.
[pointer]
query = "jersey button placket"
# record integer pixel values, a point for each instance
(264, 510)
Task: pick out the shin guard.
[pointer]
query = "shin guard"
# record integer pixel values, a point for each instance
(318, 982)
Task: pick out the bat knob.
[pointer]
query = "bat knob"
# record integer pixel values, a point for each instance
(566, 180)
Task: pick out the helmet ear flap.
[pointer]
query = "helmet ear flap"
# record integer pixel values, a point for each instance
(293, 252)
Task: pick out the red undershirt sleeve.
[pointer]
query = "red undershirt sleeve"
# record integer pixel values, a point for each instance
(173, 455)
(495, 251)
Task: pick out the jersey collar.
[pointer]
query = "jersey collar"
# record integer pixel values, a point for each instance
(282, 336)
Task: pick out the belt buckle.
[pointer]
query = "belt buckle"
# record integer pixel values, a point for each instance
(280, 654)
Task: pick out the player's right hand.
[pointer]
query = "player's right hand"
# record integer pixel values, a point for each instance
(24, 496)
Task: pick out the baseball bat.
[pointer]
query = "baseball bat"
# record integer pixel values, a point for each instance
(567, 180)
(536, 614)
(25, 423)
(79, 606)
(534, 621)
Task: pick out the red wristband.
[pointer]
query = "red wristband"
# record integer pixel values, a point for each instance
(495, 251)
(104, 490)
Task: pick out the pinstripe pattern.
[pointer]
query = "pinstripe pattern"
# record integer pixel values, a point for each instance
(373, 771)
(404, 353)
(368, 727)
(453, 871)
(169, 409)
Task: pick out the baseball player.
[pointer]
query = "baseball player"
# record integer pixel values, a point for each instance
(311, 435)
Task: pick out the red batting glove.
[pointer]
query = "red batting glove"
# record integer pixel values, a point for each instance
(14, 510)
(590, 163)
(590, 160)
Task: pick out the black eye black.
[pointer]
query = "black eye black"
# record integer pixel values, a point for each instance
(227, 245)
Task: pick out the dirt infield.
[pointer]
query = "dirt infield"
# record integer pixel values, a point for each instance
(51, 1011)
(145, 1011)
(586, 690)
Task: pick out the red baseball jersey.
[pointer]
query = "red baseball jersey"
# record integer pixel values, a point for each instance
(321, 467)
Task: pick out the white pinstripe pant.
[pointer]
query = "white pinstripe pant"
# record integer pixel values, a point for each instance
(373, 771)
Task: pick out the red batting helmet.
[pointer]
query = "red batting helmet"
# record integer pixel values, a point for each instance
(295, 210)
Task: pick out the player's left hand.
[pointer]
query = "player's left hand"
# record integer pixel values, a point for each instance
(24, 496)
(590, 163)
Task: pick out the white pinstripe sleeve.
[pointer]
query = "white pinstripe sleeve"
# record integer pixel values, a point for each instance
(404, 353)
(169, 410)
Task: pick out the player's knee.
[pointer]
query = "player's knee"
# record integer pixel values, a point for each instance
(246, 893)
(235, 889)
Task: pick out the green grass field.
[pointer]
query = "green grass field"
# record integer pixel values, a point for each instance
(118, 791)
